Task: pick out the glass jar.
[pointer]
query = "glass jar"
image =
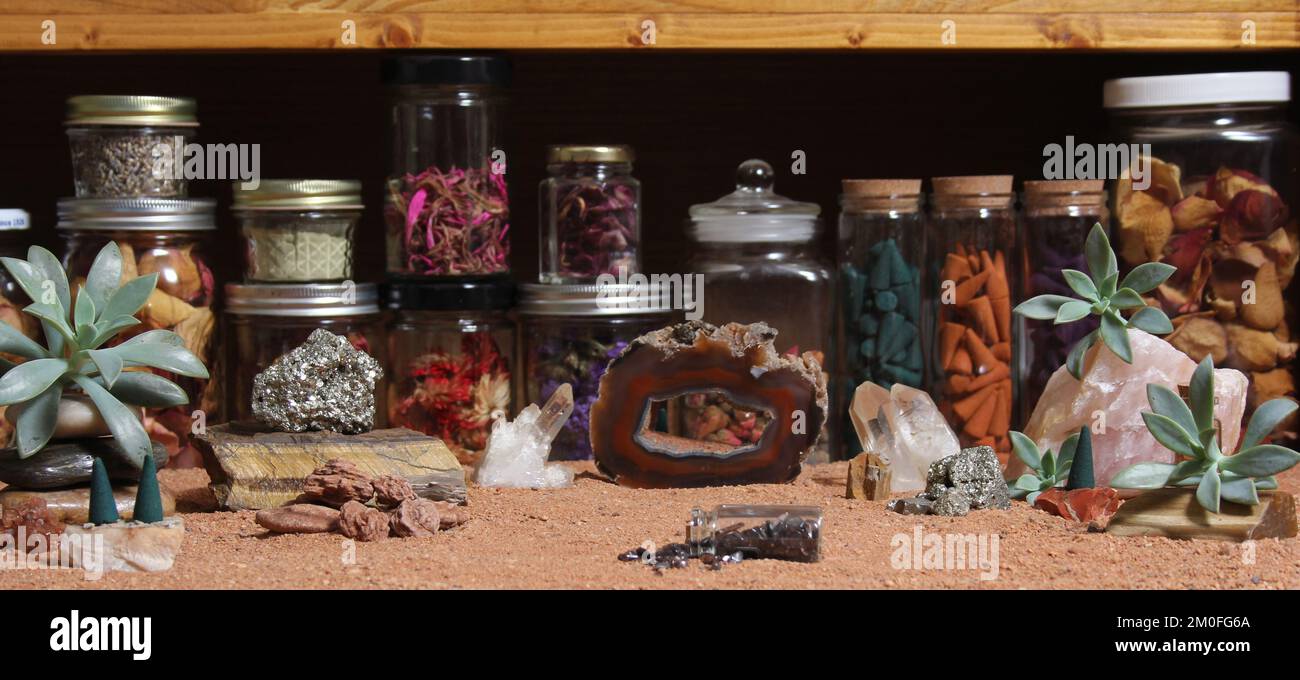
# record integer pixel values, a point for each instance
(172, 238)
(1056, 217)
(1220, 207)
(298, 230)
(451, 360)
(972, 238)
(569, 335)
(14, 239)
(447, 210)
(264, 321)
(128, 146)
(780, 532)
(590, 210)
(882, 248)
(758, 253)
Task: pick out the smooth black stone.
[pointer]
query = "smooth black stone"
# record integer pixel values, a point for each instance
(69, 463)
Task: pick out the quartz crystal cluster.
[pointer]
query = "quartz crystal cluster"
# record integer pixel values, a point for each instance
(323, 384)
(904, 428)
(1113, 395)
(517, 450)
(957, 484)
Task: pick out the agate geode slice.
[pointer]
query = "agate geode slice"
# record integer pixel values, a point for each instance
(736, 360)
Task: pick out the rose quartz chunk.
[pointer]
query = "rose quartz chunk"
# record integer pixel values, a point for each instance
(1113, 394)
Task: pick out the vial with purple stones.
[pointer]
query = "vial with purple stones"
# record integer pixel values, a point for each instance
(779, 532)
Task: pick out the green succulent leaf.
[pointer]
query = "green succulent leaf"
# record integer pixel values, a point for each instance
(1151, 320)
(122, 422)
(109, 364)
(27, 276)
(1049, 465)
(1188, 469)
(1261, 460)
(1025, 449)
(30, 378)
(141, 388)
(54, 318)
(1266, 483)
(1042, 307)
(84, 312)
(1065, 459)
(1147, 276)
(1202, 394)
(130, 297)
(13, 341)
(1127, 298)
(1109, 286)
(1143, 476)
(1073, 311)
(1028, 482)
(50, 269)
(1081, 284)
(1168, 404)
(105, 329)
(1240, 490)
(1074, 361)
(156, 336)
(34, 420)
(162, 356)
(1171, 436)
(1100, 257)
(1207, 492)
(105, 274)
(1266, 419)
(1115, 334)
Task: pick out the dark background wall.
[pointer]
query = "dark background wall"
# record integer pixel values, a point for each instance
(692, 117)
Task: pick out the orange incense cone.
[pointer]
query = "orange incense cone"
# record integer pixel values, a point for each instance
(981, 310)
(996, 374)
(961, 363)
(959, 384)
(979, 423)
(956, 268)
(949, 337)
(1002, 351)
(979, 352)
(968, 288)
(1002, 414)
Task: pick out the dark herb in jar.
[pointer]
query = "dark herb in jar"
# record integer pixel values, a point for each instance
(596, 229)
(114, 165)
(450, 222)
(579, 361)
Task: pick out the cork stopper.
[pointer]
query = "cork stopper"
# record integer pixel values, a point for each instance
(1058, 197)
(973, 191)
(894, 195)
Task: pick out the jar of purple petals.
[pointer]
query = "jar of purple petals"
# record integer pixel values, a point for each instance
(1057, 216)
(590, 211)
(569, 335)
(447, 212)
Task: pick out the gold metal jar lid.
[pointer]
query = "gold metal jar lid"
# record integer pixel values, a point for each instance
(131, 110)
(589, 153)
(300, 194)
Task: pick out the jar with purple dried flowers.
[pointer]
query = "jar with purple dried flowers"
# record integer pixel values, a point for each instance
(590, 210)
(447, 210)
(451, 361)
(570, 332)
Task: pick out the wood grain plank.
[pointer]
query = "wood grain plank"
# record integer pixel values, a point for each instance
(311, 31)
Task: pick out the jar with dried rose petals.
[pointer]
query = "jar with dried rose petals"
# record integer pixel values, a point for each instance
(1216, 199)
(451, 359)
(590, 211)
(173, 238)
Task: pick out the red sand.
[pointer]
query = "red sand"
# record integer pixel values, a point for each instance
(569, 538)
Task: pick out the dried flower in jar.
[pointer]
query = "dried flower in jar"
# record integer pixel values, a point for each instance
(456, 396)
(449, 222)
(596, 229)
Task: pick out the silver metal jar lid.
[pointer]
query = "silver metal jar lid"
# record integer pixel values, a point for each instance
(590, 299)
(137, 214)
(131, 110)
(315, 300)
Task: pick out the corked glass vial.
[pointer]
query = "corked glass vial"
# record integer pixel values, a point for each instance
(779, 532)
(590, 211)
(881, 254)
(126, 146)
(447, 210)
(759, 255)
(1056, 217)
(264, 321)
(569, 334)
(172, 238)
(972, 242)
(451, 359)
(298, 230)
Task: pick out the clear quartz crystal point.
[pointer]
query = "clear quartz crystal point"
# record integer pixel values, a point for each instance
(555, 412)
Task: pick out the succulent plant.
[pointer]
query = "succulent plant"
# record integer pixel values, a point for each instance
(1101, 293)
(1047, 470)
(75, 358)
(1190, 432)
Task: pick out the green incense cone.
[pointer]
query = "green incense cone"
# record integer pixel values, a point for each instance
(1081, 470)
(148, 500)
(103, 507)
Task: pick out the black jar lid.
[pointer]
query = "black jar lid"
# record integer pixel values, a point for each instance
(486, 293)
(447, 69)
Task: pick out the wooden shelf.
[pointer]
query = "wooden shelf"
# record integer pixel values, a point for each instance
(133, 25)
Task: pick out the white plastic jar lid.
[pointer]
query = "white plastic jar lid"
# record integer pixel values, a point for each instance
(1197, 88)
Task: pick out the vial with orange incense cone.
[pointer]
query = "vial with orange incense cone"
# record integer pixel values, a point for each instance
(972, 235)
